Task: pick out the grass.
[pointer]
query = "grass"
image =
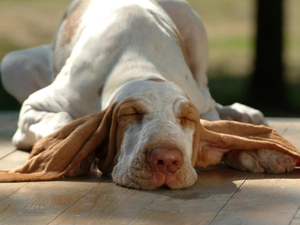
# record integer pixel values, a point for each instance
(230, 28)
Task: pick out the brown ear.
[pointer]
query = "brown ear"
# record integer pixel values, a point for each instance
(55, 155)
(219, 137)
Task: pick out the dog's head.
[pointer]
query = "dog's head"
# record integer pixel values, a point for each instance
(151, 135)
(157, 136)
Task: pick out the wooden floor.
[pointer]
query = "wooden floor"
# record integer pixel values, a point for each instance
(221, 195)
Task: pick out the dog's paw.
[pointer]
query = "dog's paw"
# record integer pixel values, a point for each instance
(262, 160)
(241, 113)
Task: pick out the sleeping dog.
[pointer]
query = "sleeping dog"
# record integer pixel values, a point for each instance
(124, 82)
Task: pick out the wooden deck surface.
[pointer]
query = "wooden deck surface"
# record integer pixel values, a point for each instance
(220, 196)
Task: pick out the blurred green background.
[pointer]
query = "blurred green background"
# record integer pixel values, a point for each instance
(230, 26)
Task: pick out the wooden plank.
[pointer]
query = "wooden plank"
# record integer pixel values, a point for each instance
(5, 148)
(116, 205)
(296, 219)
(278, 124)
(220, 196)
(263, 199)
(41, 202)
(8, 189)
(107, 204)
(198, 204)
(14, 160)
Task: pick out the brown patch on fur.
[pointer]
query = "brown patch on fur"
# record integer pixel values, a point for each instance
(188, 115)
(72, 20)
(125, 107)
(190, 119)
(156, 79)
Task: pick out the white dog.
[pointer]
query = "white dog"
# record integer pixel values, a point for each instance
(142, 64)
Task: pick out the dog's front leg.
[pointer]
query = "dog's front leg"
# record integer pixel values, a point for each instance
(35, 123)
(241, 113)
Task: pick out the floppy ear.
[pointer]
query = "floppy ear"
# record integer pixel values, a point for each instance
(220, 137)
(55, 155)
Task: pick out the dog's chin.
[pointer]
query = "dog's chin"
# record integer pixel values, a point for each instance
(147, 180)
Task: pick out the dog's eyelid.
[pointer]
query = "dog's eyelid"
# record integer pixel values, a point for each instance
(186, 111)
(132, 110)
(187, 118)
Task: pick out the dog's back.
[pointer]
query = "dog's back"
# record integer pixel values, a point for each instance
(117, 42)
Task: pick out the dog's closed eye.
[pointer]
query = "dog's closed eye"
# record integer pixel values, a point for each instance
(132, 110)
(187, 114)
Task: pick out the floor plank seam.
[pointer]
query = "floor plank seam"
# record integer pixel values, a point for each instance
(13, 193)
(73, 203)
(145, 208)
(239, 187)
(295, 216)
(13, 151)
(284, 131)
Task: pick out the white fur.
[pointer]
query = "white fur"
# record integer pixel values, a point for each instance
(114, 48)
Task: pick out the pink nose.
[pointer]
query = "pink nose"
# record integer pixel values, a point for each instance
(165, 160)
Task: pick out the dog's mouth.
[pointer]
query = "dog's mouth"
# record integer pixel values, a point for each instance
(165, 164)
(159, 167)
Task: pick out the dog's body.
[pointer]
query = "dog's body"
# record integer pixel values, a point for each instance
(148, 55)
